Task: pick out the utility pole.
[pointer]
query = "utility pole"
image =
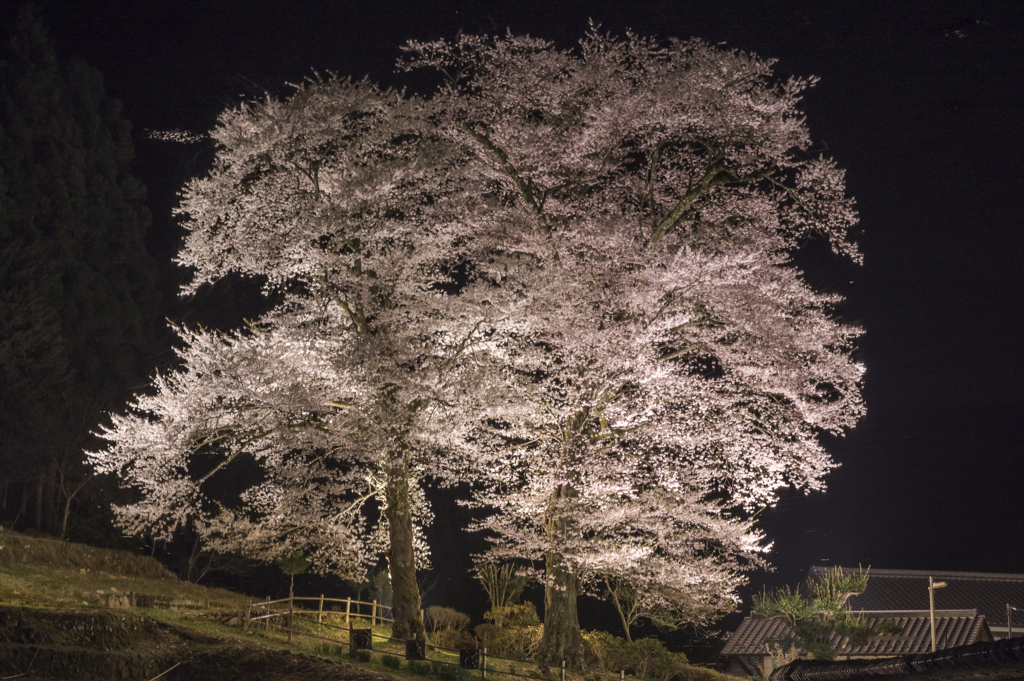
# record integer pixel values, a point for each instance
(932, 586)
(1009, 619)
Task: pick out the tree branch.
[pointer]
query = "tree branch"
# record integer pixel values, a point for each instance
(716, 176)
(524, 186)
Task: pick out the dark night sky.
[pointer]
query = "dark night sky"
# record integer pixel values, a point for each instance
(921, 102)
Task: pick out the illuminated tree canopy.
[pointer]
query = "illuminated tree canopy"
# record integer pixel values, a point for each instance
(566, 278)
(671, 362)
(350, 388)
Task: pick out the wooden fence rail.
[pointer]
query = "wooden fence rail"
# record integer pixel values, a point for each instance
(376, 610)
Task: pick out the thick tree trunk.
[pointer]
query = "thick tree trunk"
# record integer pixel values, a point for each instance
(561, 639)
(405, 604)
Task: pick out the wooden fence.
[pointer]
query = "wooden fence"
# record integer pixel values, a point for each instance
(262, 610)
(376, 616)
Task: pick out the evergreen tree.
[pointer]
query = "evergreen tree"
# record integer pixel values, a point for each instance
(78, 297)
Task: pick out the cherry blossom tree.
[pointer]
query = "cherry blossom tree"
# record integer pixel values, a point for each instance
(669, 364)
(567, 277)
(281, 437)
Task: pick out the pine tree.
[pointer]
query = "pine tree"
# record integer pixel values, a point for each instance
(79, 298)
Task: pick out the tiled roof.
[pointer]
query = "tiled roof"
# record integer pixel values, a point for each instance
(987, 592)
(1001, 660)
(952, 628)
(749, 637)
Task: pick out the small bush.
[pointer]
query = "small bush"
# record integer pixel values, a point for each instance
(446, 618)
(361, 655)
(445, 638)
(518, 615)
(448, 627)
(419, 667)
(604, 652)
(448, 672)
(328, 649)
(519, 643)
(690, 673)
(487, 635)
(652, 659)
(391, 661)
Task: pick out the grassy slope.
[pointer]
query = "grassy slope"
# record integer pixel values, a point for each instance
(43, 581)
(46, 572)
(49, 588)
(56, 579)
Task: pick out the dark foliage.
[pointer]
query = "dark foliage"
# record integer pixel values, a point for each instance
(78, 300)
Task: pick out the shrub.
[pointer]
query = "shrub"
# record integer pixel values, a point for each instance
(688, 672)
(447, 626)
(361, 655)
(652, 659)
(446, 618)
(448, 638)
(328, 649)
(391, 661)
(518, 615)
(419, 667)
(605, 652)
(519, 643)
(487, 635)
(449, 672)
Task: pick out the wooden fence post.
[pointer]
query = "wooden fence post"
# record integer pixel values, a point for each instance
(266, 620)
(348, 605)
(248, 616)
(563, 670)
(320, 615)
(373, 618)
(483, 663)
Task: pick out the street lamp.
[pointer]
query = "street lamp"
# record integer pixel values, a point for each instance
(932, 586)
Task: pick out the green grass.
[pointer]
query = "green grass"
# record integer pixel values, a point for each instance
(48, 574)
